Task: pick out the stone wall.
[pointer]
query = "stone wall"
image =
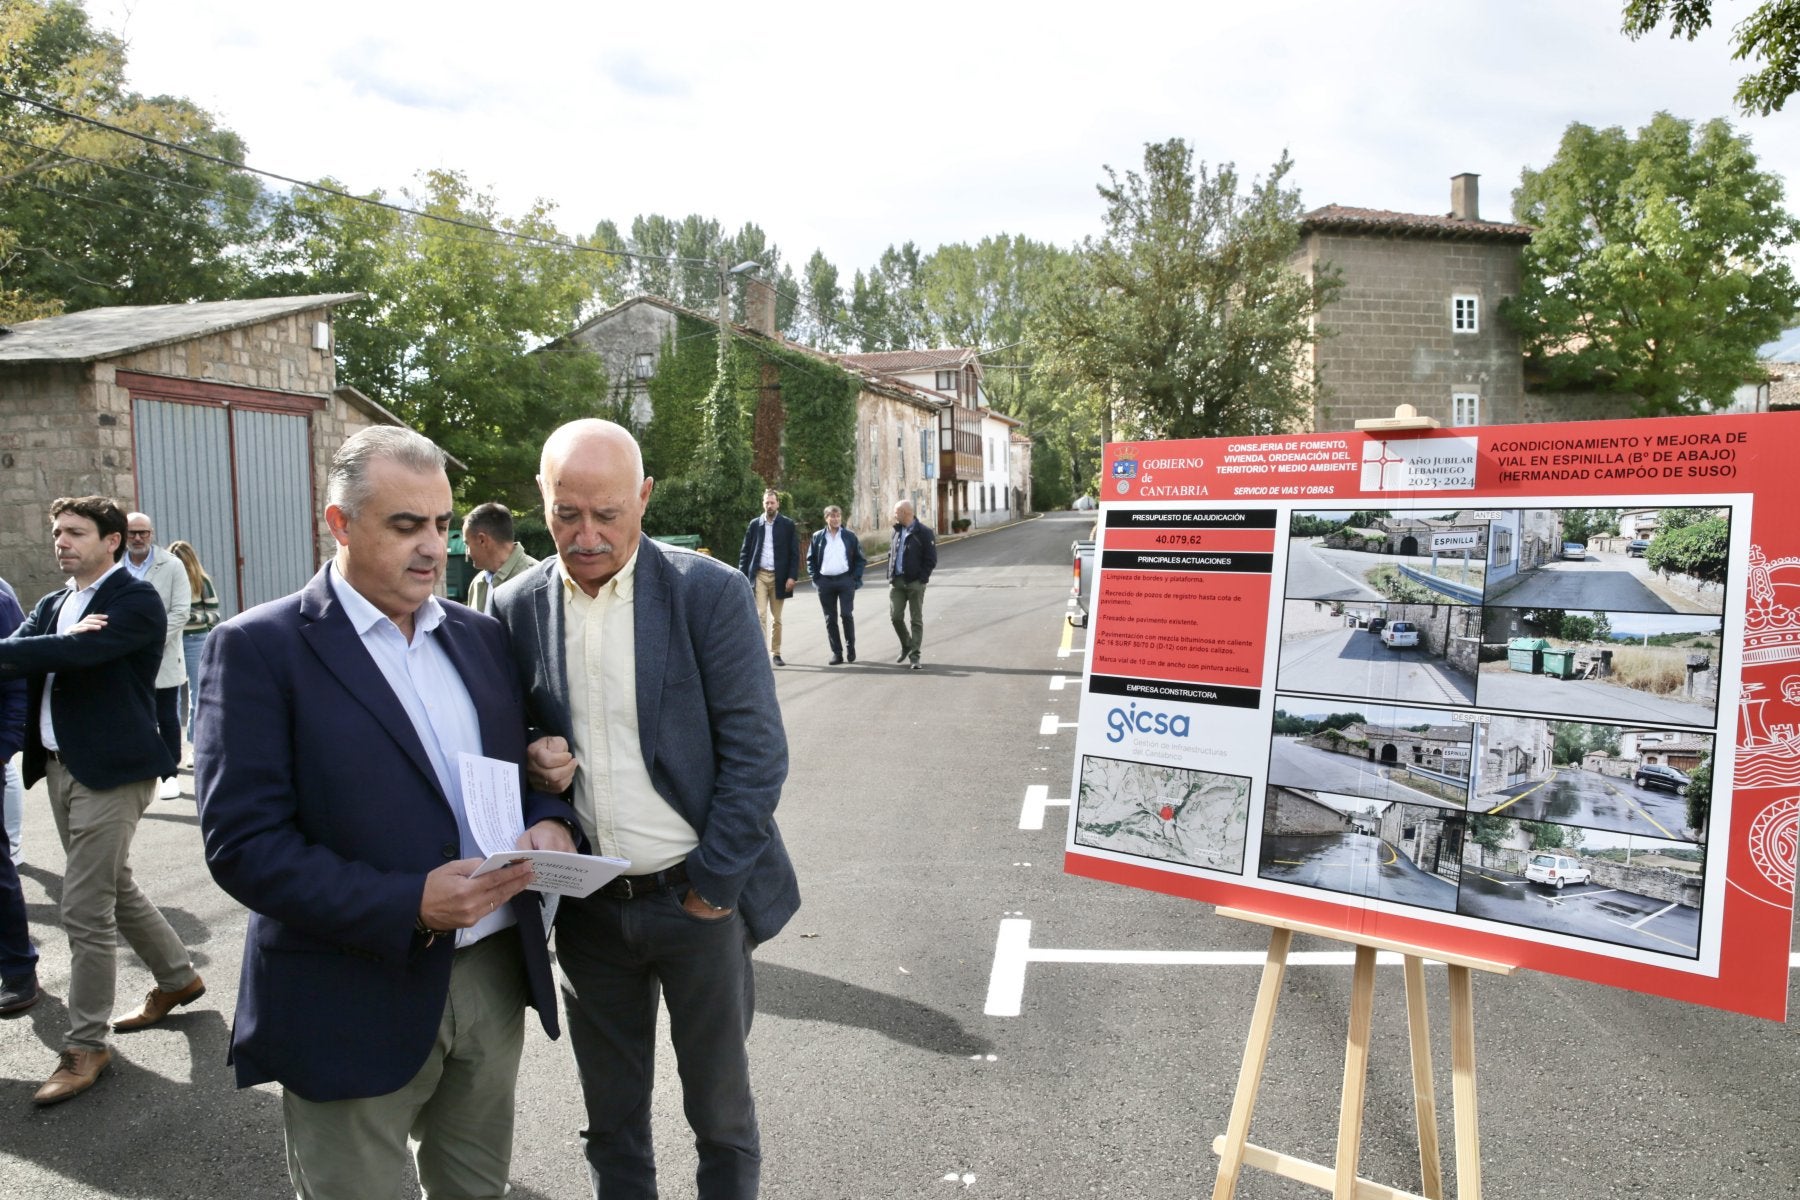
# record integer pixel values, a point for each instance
(1289, 812)
(887, 465)
(618, 340)
(1658, 883)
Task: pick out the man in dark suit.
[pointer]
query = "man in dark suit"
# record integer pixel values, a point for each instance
(18, 957)
(382, 986)
(91, 651)
(770, 559)
(835, 560)
(647, 663)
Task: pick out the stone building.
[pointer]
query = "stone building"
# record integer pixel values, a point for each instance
(1662, 747)
(1417, 319)
(1441, 748)
(1431, 837)
(1291, 812)
(218, 419)
(1513, 750)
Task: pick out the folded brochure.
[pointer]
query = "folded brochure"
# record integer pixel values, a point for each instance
(560, 872)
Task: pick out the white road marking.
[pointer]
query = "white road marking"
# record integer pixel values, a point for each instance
(1037, 799)
(1050, 725)
(1013, 953)
(1649, 917)
(1066, 651)
(966, 1178)
(1058, 682)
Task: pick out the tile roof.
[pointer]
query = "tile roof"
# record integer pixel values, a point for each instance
(1335, 218)
(889, 362)
(99, 333)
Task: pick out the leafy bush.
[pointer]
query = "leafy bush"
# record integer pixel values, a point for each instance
(1700, 550)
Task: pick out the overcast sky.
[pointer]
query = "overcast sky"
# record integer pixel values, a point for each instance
(845, 128)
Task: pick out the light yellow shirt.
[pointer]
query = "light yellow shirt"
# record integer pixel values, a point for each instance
(619, 808)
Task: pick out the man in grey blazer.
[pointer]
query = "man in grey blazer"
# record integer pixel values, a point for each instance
(651, 696)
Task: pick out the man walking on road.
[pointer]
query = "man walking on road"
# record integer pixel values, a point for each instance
(90, 652)
(646, 661)
(493, 552)
(770, 559)
(166, 573)
(911, 559)
(383, 987)
(835, 560)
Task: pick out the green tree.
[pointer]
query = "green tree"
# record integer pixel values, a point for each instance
(1545, 836)
(1699, 797)
(1184, 314)
(1488, 832)
(456, 333)
(1658, 264)
(1582, 524)
(1769, 35)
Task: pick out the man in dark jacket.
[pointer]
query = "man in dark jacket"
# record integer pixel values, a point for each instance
(90, 652)
(911, 560)
(18, 957)
(835, 560)
(770, 559)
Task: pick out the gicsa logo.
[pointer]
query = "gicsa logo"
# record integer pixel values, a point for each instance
(1121, 721)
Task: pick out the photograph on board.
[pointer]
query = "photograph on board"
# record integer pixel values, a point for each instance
(1651, 782)
(1612, 887)
(1404, 653)
(1170, 814)
(1375, 751)
(1642, 560)
(1380, 849)
(1376, 554)
(1610, 666)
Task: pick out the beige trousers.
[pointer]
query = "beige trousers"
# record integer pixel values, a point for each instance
(100, 900)
(453, 1120)
(768, 610)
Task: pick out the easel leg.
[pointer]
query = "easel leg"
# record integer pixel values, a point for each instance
(1256, 1053)
(1418, 1027)
(1356, 1074)
(1462, 1061)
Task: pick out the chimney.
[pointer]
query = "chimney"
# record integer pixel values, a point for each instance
(759, 306)
(1465, 196)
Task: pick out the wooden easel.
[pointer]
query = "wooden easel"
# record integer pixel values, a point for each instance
(1235, 1149)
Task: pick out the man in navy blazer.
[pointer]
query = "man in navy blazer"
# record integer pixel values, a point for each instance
(770, 560)
(835, 560)
(90, 652)
(647, 662)
(382, 986)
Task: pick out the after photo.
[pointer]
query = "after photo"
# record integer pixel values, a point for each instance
(1381, 849)
(1650, 560)
(1411, 653)
(1610, 887)
(1374, 751)
(1651, 782)
(1169, 814)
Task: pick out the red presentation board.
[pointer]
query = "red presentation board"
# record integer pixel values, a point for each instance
(1527, 693)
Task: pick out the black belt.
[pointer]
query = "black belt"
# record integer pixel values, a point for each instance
(631, 887)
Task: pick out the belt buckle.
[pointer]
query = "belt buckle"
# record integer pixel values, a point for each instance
(629, 893)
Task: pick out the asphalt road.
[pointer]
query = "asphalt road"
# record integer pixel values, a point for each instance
(1315, 573)
(1612, 582)
(1354, 863)
(1587, 910)
(1294, 764)
(1588, 798)
(1586, 698)
(1355, 662)
(878, 1071)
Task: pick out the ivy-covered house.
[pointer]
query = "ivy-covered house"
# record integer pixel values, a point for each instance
(814, 427)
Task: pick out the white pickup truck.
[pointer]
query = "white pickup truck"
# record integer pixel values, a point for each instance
(1398, 634)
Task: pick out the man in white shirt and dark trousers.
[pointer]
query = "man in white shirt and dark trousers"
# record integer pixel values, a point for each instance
(835, 560)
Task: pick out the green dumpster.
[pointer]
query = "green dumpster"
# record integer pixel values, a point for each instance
(681, 541)
(1559, 663)
(1526, 654)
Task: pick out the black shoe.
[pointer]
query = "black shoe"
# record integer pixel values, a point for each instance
(777, 661)
(902, 659)
(835, 660)
(917, 665)
(17, 995)
(852, 656)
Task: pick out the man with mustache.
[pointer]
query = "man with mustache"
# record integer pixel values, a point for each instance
(648, 663)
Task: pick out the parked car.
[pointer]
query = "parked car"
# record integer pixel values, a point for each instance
(1636, 547)
(1377, 624)
(1655, 775)
(1400, 633)
(1575, 550)
(1083, 583)
(1557, 870)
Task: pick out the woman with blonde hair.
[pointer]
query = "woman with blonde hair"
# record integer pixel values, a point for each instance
(201, 618)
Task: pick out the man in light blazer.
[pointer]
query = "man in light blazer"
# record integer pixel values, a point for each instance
(383, 986)
(164, 572)
(647, 662)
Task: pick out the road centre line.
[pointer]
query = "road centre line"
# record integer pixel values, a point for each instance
(1013, 953)
(1058, 682)
(1050, 725)
(1638, 808)
(1522, 795)
(1037, 799)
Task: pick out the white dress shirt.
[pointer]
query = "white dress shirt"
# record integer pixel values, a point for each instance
(768, 545)
(73, 609)
(835, 560)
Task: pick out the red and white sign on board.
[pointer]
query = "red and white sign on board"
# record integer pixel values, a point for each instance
(1528, 693)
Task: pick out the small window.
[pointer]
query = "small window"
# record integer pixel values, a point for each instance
(1465, 409)
(928, 452)
(644, 366)
(1465, 314)
(946, 381)
(900, 456)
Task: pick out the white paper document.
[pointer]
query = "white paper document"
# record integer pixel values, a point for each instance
(491, 802)
(560, 872)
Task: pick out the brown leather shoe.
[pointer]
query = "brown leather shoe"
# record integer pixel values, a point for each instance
(159, 1004)
(76, 1072)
